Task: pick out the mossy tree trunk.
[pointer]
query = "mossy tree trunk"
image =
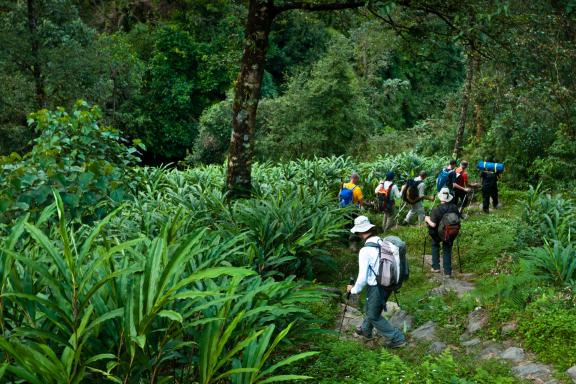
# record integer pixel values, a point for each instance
(246, 97)
(35, 51)
(470, 68)
(261, 14)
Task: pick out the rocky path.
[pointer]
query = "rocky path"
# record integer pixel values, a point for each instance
(523, 364)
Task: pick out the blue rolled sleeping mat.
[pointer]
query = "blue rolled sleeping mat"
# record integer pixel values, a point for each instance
(490, 167)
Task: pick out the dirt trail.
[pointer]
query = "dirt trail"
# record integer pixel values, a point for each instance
(523, 363)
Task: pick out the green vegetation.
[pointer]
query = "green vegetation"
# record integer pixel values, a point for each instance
(87, 163)
(127, 256)
(178, 282)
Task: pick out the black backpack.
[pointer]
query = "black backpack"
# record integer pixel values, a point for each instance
(490, 180)
(410, 192)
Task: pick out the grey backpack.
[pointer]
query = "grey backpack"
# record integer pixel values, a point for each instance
(449, 226)
(392, 267)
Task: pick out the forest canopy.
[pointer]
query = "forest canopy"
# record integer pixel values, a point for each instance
(484, 79)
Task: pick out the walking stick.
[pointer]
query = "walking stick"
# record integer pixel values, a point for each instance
(396, 297)
(461, 209)
(351, 282)
(424, 250)
(399, 211)
(457, 239)
(459, 259)
(426, 235)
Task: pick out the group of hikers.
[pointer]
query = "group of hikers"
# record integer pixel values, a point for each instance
(382, 265)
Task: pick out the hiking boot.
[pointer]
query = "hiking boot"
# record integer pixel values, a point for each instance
(398, 344)
(434, 270)
(360, 332)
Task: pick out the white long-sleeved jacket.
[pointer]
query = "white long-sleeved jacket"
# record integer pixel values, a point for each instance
(368, 256)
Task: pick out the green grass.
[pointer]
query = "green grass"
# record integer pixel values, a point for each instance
(486, 245)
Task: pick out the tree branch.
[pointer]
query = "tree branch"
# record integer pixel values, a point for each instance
(305, 6)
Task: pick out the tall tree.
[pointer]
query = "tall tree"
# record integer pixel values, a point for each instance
(471, 64)
(35, 53)
(261, 15)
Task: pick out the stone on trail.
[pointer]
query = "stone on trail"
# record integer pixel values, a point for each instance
(470, 343)
(352, 318)
(508, 328)
(425, 332)
(532, 371)
(402, 320)
(514, 354)
(572, 373)
(391, 307)
(491, 351)
(437, 347)
(477, 319)
(460, 287)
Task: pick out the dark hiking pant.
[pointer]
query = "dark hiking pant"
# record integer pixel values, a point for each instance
(446, 257)
(487, 194)
(461, 198)
(376, 298)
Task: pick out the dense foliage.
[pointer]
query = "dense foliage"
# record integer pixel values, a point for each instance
(86, 162)
(120, 273)
(177, 282)
(344, 83)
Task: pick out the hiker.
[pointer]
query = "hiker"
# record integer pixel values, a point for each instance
(351, 193)
(413, 192)
(386, 192)
(446, 177)
(461, 186)
(376, 295)
(489, 189)
(438, 234)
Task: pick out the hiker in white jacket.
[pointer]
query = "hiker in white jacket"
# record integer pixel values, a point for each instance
(376, 296)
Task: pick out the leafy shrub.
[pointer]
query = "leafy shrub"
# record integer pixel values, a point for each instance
(80, 305)
(547, 217)
(213, 134)
(322, 112)
(343, 362)
(286, 231)
(548, 327)
(85, 162)
(554, 263)
(347, 362)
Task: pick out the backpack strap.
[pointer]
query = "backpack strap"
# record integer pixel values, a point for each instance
(377, 246)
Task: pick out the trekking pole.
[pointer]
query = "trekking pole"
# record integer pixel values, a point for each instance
(426, 235)
(459, 259)
(461, 209)
(399, 211)
(396, 297)
(424, 251)
(351, 282)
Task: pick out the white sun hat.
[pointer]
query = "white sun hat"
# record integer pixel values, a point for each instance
(361, 224)
(444, 195)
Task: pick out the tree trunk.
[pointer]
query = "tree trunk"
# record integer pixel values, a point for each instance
(246, 97)
(35, 47)
(470, 64)
(261, 14)
(478, 120)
